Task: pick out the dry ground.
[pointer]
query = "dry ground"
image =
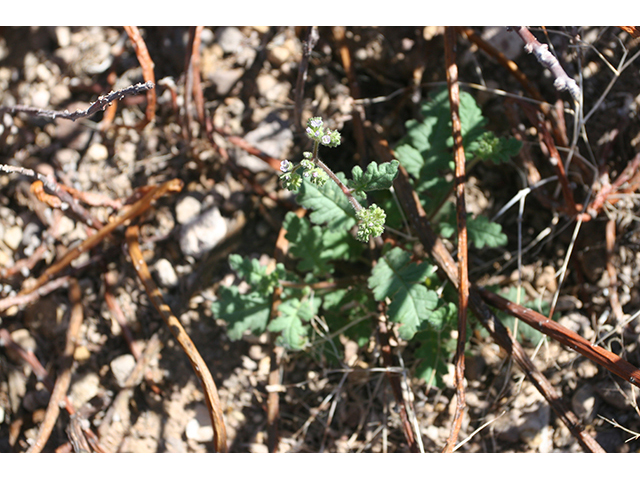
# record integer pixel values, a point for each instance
(248, 81)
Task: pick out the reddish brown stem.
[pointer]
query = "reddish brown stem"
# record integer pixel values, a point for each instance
(572, 340)
(461, 215)
(147, 71)
(448, 269)
(136, 209)
(199, 366)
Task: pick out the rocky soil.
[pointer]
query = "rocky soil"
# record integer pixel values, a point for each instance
(232, 203)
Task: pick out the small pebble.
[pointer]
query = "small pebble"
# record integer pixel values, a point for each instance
(165, 273)
(121, 367)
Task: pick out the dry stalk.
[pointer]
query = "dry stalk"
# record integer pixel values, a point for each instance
(147, 71)
(461, 217)
(572, 340)
(178, 331)
(546, 59)
(64, 379)
(307, 48)
(98, 106)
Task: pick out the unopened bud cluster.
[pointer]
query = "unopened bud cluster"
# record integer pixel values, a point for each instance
(370, 222)
(307, 168)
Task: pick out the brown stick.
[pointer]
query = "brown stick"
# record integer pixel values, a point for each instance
(181, 335)
(394, 381)
(64, 379)
(136, 209)
(147, 71)
(307, 48)
(461, 217)
(358, 112)
(599, 355)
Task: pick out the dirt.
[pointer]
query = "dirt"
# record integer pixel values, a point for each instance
(248, 81)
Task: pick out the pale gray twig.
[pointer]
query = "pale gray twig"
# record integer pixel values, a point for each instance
(541, 51)
(98, 106)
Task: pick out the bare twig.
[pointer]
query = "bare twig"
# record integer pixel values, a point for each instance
(98, 106)
(448, 267)
(541, 51)
(461, 215)
(147, 71)
(307, 48)
(64, 378)
(66, 199)
(358, 111)
(599, 355)
(199, 366)
(394, 381)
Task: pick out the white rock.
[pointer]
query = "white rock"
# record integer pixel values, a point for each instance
(84, 389)
(97, 152)
(121, 367)
(166, 273)
(13, 237)
(203, 233)
(187, 209)
(199, 428)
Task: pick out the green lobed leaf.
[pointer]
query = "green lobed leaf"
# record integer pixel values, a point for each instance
(242, 312)
(292, 323)
(377, 177)
(434, 355)
(306, 243)
(399, 279)
(255, 274)
(480, 230)
(328, 203)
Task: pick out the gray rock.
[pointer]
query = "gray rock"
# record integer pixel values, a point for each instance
(273, 136)
(203, 233)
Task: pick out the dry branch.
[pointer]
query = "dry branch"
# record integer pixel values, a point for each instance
(541, 51)
(461, 218)
(572, 340)
(98, 106)
(136, 209)
(64, 379)
(178, 331)
(147, 71)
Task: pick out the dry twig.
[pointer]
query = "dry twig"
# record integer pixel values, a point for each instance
(178, 331)
(98, 106)
(136, 209)
(547, 60)
(147, 71)
(461, 217)
(64, 379)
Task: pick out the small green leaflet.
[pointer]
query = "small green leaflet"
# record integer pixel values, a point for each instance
(317, 246)
(306, 243)
(242, 312)
(399, 279)
(425, 151)
(377, 177)
(255, 274)
(329, 204)
(480, 231)
(293, 322)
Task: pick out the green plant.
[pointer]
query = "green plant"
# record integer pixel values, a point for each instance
(331, 274)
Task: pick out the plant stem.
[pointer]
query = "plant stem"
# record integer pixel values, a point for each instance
(352, 200)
